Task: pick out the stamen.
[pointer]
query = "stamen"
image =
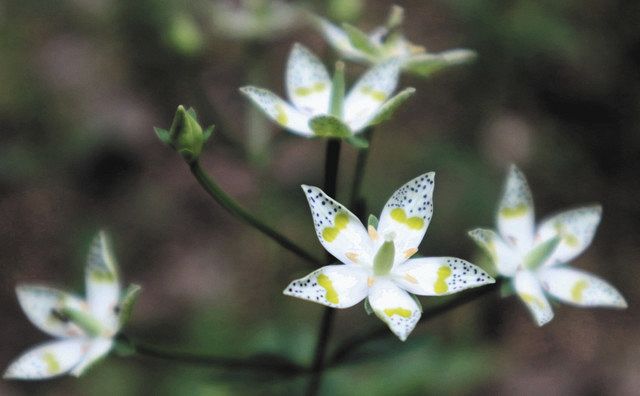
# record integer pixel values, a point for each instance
(410, 279)
(370, 281)
(410, 252)
(373, 234)
(352, 256)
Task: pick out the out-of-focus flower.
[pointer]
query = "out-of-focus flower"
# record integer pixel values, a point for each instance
(259, 20)
(536, 258)
(85, 329)
(387, 42)
(376, 262)
(318, 104)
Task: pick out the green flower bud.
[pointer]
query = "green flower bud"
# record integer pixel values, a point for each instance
(383, 260)
(185, 135)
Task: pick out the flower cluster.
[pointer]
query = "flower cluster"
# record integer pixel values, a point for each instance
(377, 263)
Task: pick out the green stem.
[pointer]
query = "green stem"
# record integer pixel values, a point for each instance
(235, 209)
(331, 164)
(355, 342)
(273, 364)
(357, 204)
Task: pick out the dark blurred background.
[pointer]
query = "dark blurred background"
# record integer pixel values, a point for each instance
(555, 89)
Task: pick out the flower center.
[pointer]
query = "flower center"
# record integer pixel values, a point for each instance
(383, 260)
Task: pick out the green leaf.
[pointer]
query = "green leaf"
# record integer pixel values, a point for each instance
(373, 221)
(541, 253)
(358, 142)
(390, 106)
(360, 40)
(127, 302)
(427, 64)
(336, 103)
(329, 126)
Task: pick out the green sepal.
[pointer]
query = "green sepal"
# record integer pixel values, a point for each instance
(329, 126)
(358, 142)
(83, 320)
(427, 64)
(123, 347)
(372, 221)
(507, 289)
(127, 301)
(336, 102)
(383, 260)
(417, 300)
(390, 106)
(541, 253)
(367, 306)
(396, 17)
(206, 134)
(163, 135)
(360, 40)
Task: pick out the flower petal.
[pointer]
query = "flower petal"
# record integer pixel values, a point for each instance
(530, 292)
(279, 110)
(103, 282)
(576, 229)
(370, 93)
(47, 360)
(407, 215)
(42, 305)
(337, 286)
(502, 255)
(97, 349)
(386, 111)
(580, 288)
(340, 41)
(308, 82)
(515, 213)
(437, 276)
(426, 64)
(339, 230)
(394, 306)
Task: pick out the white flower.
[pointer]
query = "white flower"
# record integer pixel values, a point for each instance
(317, 105)
(84, 328)
(387, 42)
(536, 258)
(376, 262)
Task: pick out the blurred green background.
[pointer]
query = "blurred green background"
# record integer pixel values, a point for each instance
(555, 89)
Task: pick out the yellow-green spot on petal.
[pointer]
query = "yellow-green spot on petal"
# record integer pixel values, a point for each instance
(531, 299)
(331, 294)
(281, 115)
(577, 290)
(440, 286)
(415, 223)
(53, 366)
(302, 91)
(374, 94)
(341, 220)
(405, 313)
(319, 86)
(515, 211)
(102, 276)
(570, 240)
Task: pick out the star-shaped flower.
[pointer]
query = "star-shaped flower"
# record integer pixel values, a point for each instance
(318, 105)
(536, 258)
(84, 329)
(387, 42)
(376, 262)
